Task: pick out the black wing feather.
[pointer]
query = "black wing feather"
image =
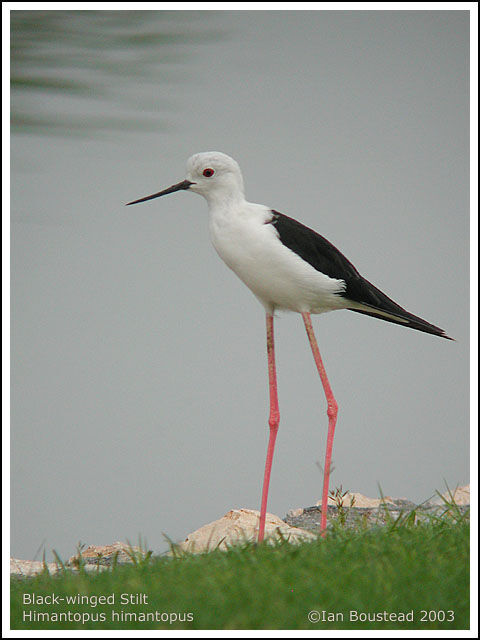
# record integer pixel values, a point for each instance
(326, 258)
(313, 248)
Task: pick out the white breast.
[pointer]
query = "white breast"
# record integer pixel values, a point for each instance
(278, 277)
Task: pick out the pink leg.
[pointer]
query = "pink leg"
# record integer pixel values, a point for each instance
(273, 422)
(332, 411)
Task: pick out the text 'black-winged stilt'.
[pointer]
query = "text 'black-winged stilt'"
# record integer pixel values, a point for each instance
(287, 266)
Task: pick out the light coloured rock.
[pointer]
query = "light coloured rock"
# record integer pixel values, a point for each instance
(294, 513)
(94, 558)
(355, 499)
(461, 496)
(120, 552)
(238, 527)
(28, 568)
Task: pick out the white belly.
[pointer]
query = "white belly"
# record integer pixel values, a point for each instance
(277, 276)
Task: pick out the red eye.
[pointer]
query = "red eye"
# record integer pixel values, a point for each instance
(208, 173)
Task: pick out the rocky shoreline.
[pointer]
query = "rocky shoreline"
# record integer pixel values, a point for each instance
(381, 515)
(238, 526)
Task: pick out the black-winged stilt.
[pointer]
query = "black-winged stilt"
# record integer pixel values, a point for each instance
(287, 266)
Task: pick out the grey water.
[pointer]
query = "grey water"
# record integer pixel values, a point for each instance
(139, 395)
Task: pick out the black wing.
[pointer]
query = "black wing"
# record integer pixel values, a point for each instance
(324, 257)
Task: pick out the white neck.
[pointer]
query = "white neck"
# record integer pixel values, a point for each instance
(224, 198)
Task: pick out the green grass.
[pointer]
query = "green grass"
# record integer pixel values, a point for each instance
(397, 569)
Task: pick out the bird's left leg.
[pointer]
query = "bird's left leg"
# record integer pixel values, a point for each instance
(332, 410)
(273, 423)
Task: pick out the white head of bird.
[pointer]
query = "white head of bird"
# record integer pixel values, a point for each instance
(211, 174)
(215, 176)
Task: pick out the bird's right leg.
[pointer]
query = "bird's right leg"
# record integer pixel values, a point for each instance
(332, 410)
(273, 423)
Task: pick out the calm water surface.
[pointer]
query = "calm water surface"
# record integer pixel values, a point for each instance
(139, 392)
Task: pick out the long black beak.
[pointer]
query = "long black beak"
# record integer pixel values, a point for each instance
(176, 187)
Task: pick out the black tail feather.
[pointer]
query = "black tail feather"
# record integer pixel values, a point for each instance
(403, 318)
